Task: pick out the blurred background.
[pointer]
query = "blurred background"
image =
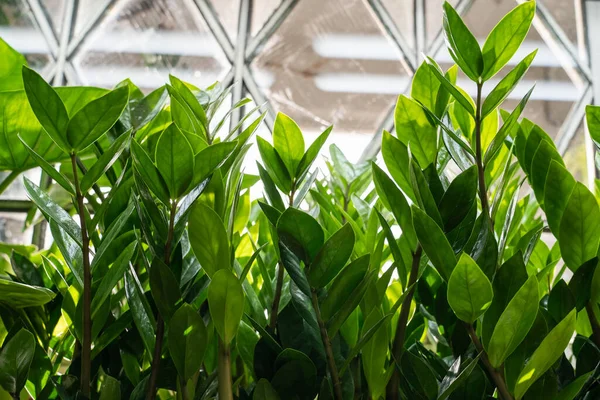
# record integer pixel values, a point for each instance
(323, 62)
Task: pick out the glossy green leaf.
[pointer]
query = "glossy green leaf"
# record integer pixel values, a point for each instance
(415, 131)
(592, 117)
(149, 173)
(288, 142)
(463, 46)
(15, 361)
(47, 107)
(110, 389)
(343, 285)
(557, 192)
(514, 323)
(187, 341)
(425, 87)
(506, 85)
(142, 314)
(545, 154)
(395, 156)
(434, 243)
(394, 201)
(96, 118)
(208, 238)
(423, 193)
(20, 295)
(579, 231)
(264, 391)
(10, 71)
(547, 353)
(454, 379)
(332, 257)
(506, 37)
(226, 303)
(573, 388)
(458, 198)
(349, 304)
(470, 292)
(274, 165)
(165, 288)
(374, 355)
(211, 158)
(301, 233)
(312, 152)
(104, 162)
(175, 161)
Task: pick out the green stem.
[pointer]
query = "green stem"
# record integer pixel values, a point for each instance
(224, 372)
(86, 348)
(331, 366)
(160, 324)
(9, 179)
(398, 346)
(495, 375)
(478, 154)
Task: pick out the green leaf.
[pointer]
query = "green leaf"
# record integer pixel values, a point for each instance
(506, 37)
(187, 341)
(114, 275)
(419, 375)
(15, 360)
(423, 193)
(506, 85)
(434, 243)
(96, 118)
(579, 232)
(514, 323)
(142, 314)
(415, 131)
(454, 379)
(208, 239)
(211, 158)
(165, 288)
(226, 303)
(292, 265)
(458, 198)
(561, 301)
(274, 165)
(425, 87)
(462, 45)
(469, 290)
(349, 304)
(540, 164)
(288, 142)
(573, 388)
(494, 147)
(394, 201)
(264, 391)
(557, 192)
(149, 173)
(581, 283)
(332, 257)
(104, 162)
(547, 353)
(53, 210)
(270, 189)
(111, 388)
(47, 107)
(301, 233)
(10, 71)
(20, 295)
(175, 161)
(311, 154)
(49, 169)
(592, 117)
(374, 355)
(189, 98)
(343, 285)
(396, 158)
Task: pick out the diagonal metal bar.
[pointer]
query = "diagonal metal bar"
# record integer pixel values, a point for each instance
(573, 120)
(79, 40)
(239, 59)
(436, 44)
(256, 43)
(387, 22)
(420, 30)
(68, 21)
(214, 24)
(41, 19)
(259, 97)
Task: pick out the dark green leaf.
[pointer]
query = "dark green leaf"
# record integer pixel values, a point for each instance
(165, 288)
(301, 233)
(104, 162)
(15, 360)
(150, 175)
(434, 243)
(187, 341)
(175, 161)
(274, 165)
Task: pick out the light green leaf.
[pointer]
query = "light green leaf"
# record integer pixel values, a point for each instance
(208, 238)
(395, 156)
(425, 87)
(557, 192)
(96, 118)
(288, 142)
(579, 231)
(469, 290)
(415, 131)
(10, 69)
(211, 158)
(574, 387)
(514, 323)
(550, 350)
(274, 165)
(226, 303)
(434, 243)
(111, 388)
(462, 45)
(506, 37)
(187, 341)
(20, 295)
(332, 257)
(175, 161)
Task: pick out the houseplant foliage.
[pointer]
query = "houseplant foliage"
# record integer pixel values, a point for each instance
(167, 279)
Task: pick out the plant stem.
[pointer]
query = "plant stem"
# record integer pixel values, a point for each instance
(86, 348)
(594, 323)
(183, 388)
(478, 157)
(8, 180)
(494, 374)
(224, 368)
(333, 371)
(277, 296)
(160, 324)
(398, 346)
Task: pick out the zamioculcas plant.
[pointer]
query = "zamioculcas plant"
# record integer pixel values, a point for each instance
(462, 265)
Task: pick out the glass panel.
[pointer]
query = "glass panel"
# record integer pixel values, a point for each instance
(11, 228)
(16, 190)
(575, 156)
(331, 63)
(403, 14)
(261, 11)
(228, 12)
(55, 9)
(149, 40)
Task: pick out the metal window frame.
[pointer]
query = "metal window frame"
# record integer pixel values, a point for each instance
(581, 61)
